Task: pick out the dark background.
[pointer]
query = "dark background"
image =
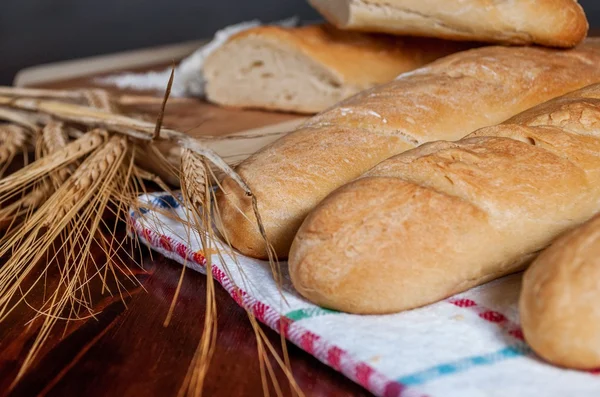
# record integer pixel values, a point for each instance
(33, 32)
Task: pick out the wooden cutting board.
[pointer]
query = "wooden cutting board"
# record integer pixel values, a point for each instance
(193, 116)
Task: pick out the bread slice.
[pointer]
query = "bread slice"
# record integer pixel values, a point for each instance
(310, 68)
(555, 23)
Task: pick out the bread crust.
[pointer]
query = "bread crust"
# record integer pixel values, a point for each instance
(554, 23)
(343, 62)
(445, 100)
(446, 217)
(559, 300)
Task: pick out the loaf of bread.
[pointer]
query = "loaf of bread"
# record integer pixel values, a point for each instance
(445, 100)
(560, 295)
(448, 216)
(308, 69)
(554, 23)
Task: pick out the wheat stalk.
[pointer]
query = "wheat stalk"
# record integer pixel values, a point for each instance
(18, 92)
(24, 119)
(79, 96)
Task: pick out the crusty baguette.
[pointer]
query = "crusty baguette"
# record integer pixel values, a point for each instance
(449, 216)
(555, 23)
(308, 69)
(445, 100)
(559, 299)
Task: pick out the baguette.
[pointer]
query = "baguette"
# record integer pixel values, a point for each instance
(444, 100)
(559, 300)
(310, 68)
(449, 216)
(554, 23)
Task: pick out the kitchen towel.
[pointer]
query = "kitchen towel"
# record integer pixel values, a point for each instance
(468, 345)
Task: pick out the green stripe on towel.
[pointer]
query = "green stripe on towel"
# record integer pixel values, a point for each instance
(303, 314)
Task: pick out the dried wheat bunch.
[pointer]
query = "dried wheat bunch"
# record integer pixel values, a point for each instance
(91, 158)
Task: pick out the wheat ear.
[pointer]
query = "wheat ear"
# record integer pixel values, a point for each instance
(54, 137)
(100, 99)
(13, 139)
(195, 177)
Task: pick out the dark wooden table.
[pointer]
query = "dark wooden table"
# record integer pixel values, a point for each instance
(126, 351)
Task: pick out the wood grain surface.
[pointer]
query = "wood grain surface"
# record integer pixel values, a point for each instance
(126, 350)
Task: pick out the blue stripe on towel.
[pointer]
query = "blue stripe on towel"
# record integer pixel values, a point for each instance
(427, 375)
(166, 201)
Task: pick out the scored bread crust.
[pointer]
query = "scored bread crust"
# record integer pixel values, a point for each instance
(449, 216)
(308, 69)
(445, 100)
(559, 300)
(554, 23)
